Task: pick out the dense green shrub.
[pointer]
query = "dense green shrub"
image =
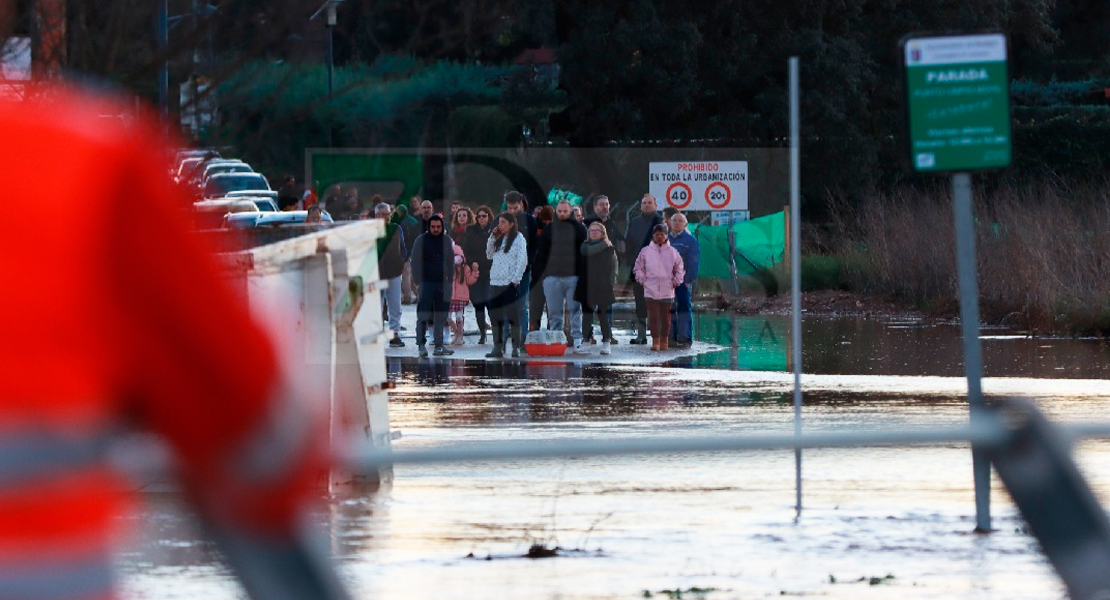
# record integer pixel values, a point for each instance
(823, 272)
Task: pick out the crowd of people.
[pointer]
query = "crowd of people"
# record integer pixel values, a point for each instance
(513, 266)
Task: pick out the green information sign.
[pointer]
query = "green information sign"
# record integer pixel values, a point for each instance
(958, 101)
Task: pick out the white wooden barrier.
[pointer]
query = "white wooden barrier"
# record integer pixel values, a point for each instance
(319, 293)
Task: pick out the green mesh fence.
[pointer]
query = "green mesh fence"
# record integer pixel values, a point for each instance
(761, 240)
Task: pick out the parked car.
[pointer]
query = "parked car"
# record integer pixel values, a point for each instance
(270, 219)
(194, 153)
(218, 168)
(185, 168)
(244, 220)
(222, 183)
(253, 193)
(210, 166)
(265, 203)
(209, 214)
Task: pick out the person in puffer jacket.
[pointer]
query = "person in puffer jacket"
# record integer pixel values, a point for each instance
(466, 275)
(659, 269)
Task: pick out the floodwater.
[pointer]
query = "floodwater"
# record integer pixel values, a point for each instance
(876, 522)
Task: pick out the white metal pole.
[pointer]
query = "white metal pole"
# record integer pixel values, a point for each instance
(796, 275)
(973, 356)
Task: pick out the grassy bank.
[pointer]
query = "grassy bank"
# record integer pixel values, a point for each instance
(1043, 255)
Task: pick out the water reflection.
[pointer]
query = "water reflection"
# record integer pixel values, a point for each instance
(720, 520)
(873, 347)
(477, 392)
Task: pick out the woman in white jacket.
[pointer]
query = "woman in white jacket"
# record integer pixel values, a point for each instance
(508, 250)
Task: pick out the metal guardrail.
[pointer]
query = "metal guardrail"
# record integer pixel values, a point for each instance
(1031, 455)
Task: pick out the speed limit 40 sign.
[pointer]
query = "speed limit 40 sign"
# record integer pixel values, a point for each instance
(700, 185)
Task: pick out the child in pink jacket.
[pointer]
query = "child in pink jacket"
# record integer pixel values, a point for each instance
(659, 269)
(465, 276)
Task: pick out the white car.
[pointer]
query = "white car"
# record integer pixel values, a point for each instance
(195, 155)
(214, 167)
(263, 201)
(269, 219)
(210, 214)
(254, 194)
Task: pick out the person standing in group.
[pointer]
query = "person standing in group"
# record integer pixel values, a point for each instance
(333, 199)
(427, 209)
(288, 196)
(467, 235)
(516, 204)
(601, 214)
(309, 198)
(537, 299)
(597, 282)
(412, 228)
(465, 276)
(350, 207)
(392, 253)
(559, 261)
(659, 270)
(578, 214)
(508, 252)
(462, 228)
(637, 237)
(682, 317)
(479, 292)
(433, 269)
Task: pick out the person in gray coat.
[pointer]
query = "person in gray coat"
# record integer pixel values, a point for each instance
(596, 283)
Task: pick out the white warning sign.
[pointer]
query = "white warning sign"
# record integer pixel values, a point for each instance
(700, 185)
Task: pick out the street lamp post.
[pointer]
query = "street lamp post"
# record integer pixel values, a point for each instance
(328, 9)
(331, 55)
(163, 69)
(164, 23)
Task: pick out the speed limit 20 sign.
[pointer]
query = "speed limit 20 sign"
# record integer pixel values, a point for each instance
(700, 185)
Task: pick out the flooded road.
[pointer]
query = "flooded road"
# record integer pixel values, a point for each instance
(877, 522)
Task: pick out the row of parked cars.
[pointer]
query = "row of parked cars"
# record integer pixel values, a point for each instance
(228, 193)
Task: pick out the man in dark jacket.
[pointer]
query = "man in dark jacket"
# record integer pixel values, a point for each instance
(526, 224)
(637, 237)
(433, 269)
(602, 215)
(392, 253)
(559, 263)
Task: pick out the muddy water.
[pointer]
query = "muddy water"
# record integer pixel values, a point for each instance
(627, 527)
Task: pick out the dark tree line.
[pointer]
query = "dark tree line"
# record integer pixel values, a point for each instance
(674, 72)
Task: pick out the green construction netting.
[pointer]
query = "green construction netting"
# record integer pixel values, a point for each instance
(761, 240)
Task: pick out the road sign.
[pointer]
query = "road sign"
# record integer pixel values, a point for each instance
(958, 102)
(728, 217)
(678, 195)
(700, 185)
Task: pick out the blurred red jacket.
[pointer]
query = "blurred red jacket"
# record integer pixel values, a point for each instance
(114, 314)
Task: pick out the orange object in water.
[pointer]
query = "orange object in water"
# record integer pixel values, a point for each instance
(114, 314)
